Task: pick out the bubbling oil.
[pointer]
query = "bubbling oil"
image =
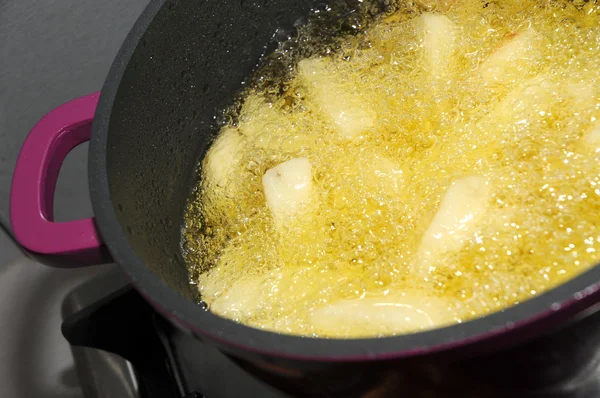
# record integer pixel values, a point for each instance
(455, 171)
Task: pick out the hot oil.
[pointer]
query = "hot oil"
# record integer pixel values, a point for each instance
(521, 130)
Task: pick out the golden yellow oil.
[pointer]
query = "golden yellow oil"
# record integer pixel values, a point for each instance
(525, 130)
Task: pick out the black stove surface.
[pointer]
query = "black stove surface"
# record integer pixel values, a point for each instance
(156, 360)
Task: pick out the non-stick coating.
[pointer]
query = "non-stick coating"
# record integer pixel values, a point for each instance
(183, 62)
(186, 69)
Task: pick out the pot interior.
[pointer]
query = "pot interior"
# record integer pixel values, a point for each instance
(186, 69)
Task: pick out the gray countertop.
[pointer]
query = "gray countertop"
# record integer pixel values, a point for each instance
(50, 52)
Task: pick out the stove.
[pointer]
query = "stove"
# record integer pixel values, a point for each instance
(123, 348)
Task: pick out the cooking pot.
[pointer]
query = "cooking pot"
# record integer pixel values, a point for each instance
(183, 62)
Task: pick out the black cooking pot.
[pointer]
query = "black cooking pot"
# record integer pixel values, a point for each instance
(183, 63)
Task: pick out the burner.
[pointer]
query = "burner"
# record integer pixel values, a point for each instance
(138, 354)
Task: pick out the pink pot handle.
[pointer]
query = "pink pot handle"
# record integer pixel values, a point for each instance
(61, 244)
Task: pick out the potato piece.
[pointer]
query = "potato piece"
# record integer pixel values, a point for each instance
(261, 123)
(584, 95)
(288, 187)
(438, 34)
(462, 207)
(581, 93)
(513, 59)
(382, 176)
(262, 120)
(231, 288)
(243, 298)
(533, 96)
(537, 96)
(267, 126)
(592, 138)
(530, 103)
(222, 158)
(343, 107)
(402, 313)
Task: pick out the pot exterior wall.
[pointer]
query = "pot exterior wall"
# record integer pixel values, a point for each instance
(562, 361)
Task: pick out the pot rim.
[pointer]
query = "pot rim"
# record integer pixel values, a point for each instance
(528, 318)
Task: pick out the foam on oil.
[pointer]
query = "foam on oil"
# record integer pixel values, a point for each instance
(525, 125)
